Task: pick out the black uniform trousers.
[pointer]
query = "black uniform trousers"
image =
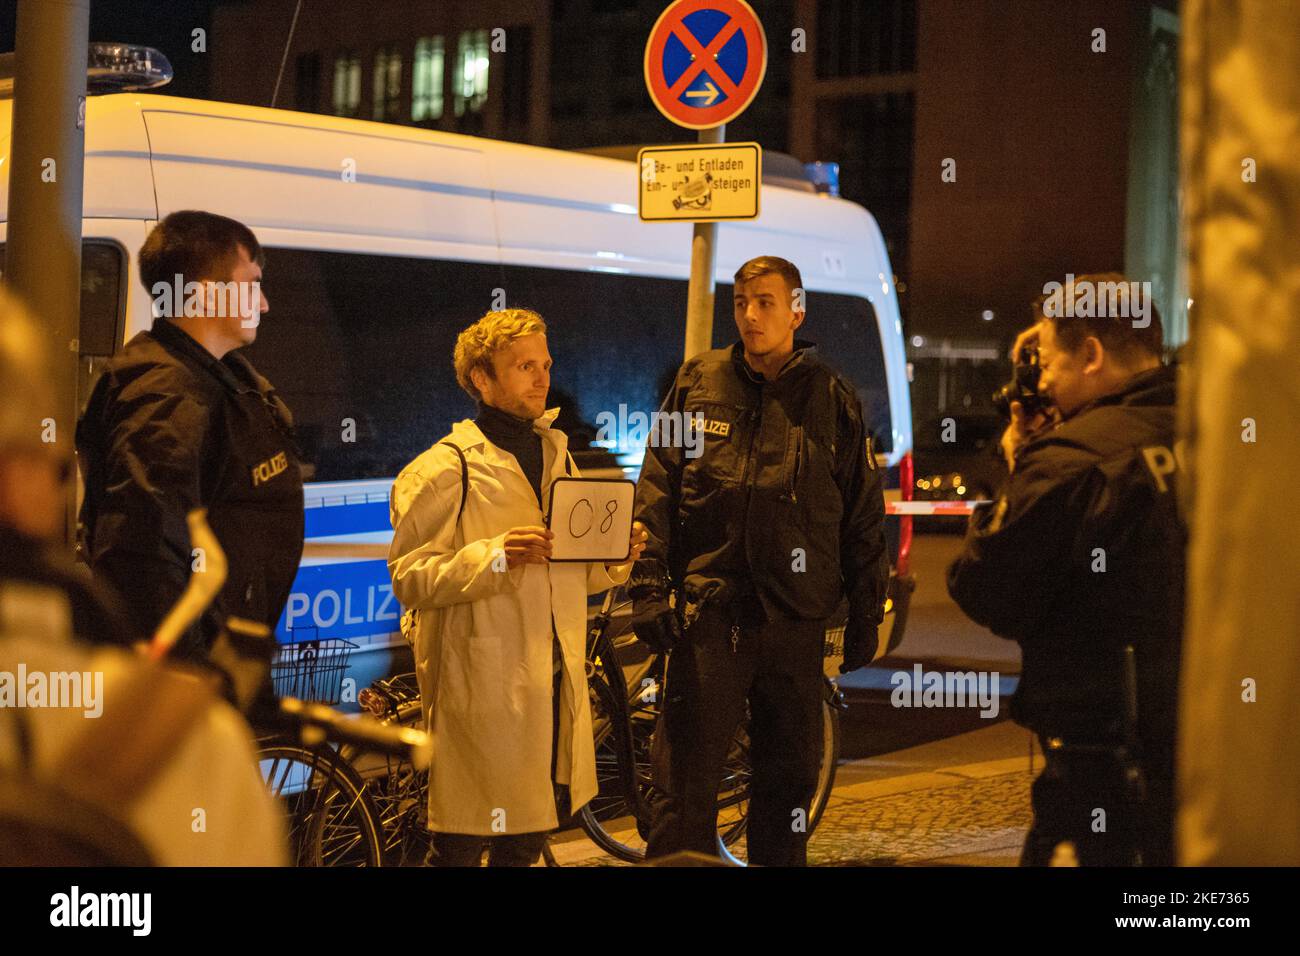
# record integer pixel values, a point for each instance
(720, 664)
(1089, 800)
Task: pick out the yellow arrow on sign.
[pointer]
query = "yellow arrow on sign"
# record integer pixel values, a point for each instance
(711, 93)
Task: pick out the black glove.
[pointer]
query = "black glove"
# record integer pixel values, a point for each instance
(859, 646)
(654, 621)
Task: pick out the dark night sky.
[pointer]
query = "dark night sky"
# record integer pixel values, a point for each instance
(164, 24)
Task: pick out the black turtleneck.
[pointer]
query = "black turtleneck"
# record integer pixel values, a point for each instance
(515, 435)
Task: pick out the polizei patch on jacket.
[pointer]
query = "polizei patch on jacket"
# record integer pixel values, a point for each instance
(266, 470)
(712, 426)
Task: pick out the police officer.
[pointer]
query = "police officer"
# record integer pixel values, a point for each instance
(760, 521)
(180, 419)
(1080, 557)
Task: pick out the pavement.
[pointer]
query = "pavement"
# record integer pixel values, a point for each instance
(905, 810)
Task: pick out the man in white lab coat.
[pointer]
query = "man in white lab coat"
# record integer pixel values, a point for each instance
(499, 632)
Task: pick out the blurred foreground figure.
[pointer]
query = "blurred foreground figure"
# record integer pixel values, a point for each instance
(104, 759)
(1239, 752)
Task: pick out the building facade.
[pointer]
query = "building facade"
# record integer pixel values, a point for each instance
(481, 68)
(999, 145)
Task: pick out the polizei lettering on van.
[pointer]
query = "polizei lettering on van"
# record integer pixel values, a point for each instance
(327, 607)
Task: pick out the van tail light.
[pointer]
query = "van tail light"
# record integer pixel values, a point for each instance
(906, 476)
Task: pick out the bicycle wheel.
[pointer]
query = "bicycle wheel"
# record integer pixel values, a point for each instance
(830, 761)
(401, 797)
(621, 830)
(608, 819)
(400, 793)
(331, 819)
(730, 845)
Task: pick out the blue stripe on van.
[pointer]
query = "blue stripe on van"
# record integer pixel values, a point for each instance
(421, 185)
(359, 518)
(346, 600)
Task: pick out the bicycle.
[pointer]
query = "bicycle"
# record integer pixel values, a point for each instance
(333, 820)
(398, 789)
(626, 679)
(625, 710)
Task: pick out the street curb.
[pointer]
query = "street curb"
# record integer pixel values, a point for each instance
(931, 779)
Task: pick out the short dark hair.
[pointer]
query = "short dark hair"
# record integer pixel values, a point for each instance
(1113, 327)
(769, 265)
(197, 246)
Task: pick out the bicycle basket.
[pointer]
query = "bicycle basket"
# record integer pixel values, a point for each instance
(311, 670)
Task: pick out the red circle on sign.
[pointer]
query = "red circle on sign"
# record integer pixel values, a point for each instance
(670, 22)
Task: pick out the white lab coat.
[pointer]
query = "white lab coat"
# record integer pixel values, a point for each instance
(482, 637)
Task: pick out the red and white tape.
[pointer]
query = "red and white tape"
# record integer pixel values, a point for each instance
(931, 507)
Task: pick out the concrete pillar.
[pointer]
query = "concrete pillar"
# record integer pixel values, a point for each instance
(1239, 753)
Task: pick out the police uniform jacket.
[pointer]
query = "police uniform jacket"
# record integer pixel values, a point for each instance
(169, 428)
(1081, 555)
(783, 503)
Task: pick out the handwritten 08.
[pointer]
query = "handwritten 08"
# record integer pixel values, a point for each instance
(583, 515)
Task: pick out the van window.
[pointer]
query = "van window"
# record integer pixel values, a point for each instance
(616, 341)
(103, 306)
(360, 347)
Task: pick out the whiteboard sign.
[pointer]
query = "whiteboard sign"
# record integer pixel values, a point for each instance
(591, 518)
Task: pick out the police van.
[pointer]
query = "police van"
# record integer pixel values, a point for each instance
(383, 242)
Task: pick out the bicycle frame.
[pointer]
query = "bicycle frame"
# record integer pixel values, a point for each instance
(619, 701)
(600, 649)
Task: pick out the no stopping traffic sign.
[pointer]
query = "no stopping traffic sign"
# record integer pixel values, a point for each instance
(704, 61)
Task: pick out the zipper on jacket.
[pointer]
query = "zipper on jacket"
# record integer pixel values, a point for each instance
(798, 464)
(756, 420)
(735, 636)
(757, 423)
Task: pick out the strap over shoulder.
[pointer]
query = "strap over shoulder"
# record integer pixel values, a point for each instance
(464, 477)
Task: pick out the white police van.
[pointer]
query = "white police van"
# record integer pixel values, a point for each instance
(383, 241)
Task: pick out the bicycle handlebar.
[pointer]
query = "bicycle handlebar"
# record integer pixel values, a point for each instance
(317, 723)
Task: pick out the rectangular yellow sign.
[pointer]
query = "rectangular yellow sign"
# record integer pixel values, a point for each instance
(704, 183)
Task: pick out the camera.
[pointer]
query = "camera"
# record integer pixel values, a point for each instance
(1023, 387)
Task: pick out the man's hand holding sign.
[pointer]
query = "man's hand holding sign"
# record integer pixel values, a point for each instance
(590, 519)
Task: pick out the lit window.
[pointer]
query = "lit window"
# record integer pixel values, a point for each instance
(426, 81)
(388, 84)
(347, 84)
(472, 72)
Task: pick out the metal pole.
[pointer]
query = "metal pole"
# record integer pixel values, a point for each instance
(43, 248)
(699, 295)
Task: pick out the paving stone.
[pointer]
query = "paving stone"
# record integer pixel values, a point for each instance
(980, 820)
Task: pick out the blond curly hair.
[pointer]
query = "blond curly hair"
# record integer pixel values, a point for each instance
(477, 344)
